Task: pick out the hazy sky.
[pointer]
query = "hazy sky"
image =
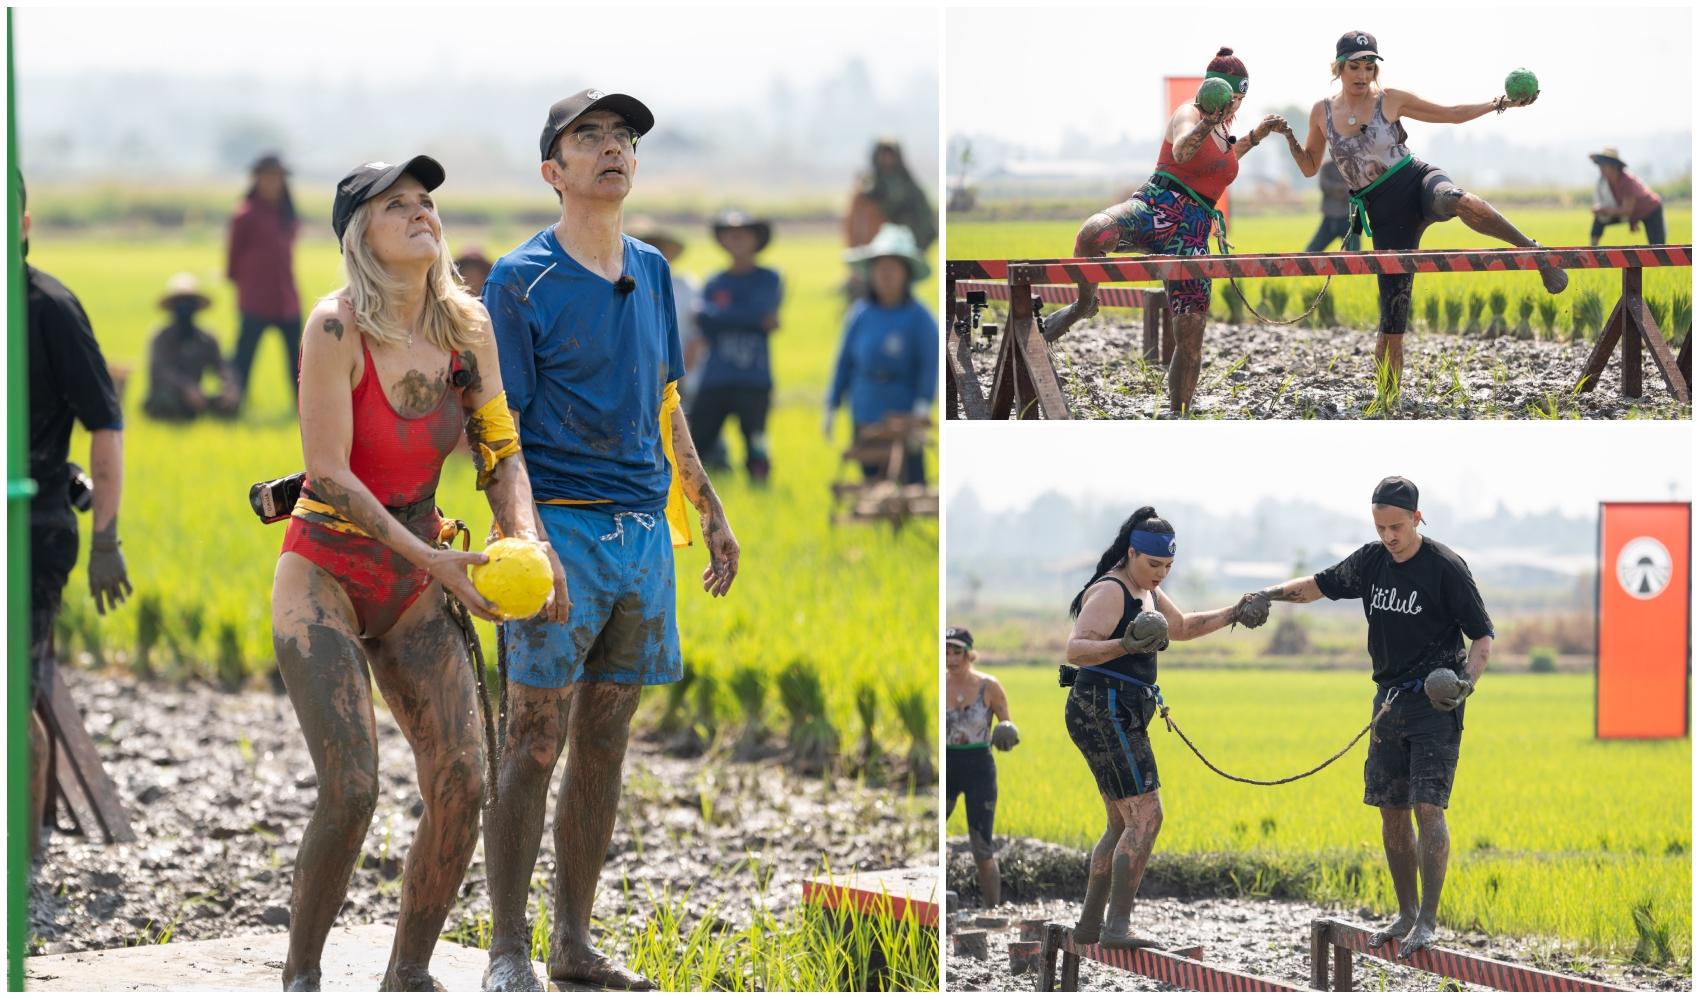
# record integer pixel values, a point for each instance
(1527, 465)
(708, 52)
(1028, 78)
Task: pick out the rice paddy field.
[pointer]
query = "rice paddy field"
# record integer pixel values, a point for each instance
(1554, 834)
(858, 603)
(1667, 289)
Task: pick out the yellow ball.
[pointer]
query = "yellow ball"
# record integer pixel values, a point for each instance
(516, 579)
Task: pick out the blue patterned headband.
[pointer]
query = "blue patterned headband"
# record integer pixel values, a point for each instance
(1151, 543)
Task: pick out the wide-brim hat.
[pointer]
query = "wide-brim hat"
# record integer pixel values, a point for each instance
(570, 109)
(372, 179)
(1608, 155)
(184, 285)
(892, 240)
(732, 219)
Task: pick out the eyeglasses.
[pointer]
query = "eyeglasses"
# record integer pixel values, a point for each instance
(592, 136)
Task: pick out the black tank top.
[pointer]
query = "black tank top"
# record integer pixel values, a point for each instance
(1137, 666)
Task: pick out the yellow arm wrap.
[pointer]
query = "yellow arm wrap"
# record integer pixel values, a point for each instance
(678, 514)
(491, 432)
(326, 516)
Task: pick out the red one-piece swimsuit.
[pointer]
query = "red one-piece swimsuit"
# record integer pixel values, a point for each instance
(399, 460)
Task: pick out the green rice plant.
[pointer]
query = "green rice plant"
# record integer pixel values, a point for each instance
(912, 706)
(1474, 305)
(1497, 326)
(150, 627)
(1588, 315)
(812, 740)
(1431, 313)
(1660, 310)
(1275, 295)
(749, 689)
(673, 720)
(1681, 317)
(232, 670)
(1525, 309)
(1548, 308)
(1386, 401)
(1454, 311)
(1652, 936)
(1234, 305)
(869, 756)
(1325, 316)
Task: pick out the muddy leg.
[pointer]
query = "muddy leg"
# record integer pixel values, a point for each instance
(1098, 878)
(1143, 815)
(1400, 844)
(584, 824)
(1189, 357)
(422, 668)
(1485, 219)
(537, 729)
(990, 879)
(324, 668)
(1434, 845)
(1097, 237)
(41, 752)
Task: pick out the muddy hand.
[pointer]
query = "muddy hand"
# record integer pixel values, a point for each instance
(722, 553)
(1523, 103)
(109, 579)
(448, 568)
(560, 605)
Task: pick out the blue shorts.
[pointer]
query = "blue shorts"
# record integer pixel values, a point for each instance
(622, 627)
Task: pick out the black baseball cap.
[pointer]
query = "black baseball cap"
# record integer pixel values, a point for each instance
(1355, 45)
(960, 636)
(570, 109)
(369, 180)
(1396, 491)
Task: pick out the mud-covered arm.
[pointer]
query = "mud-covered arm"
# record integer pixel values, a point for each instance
(1189, 128)
(1475, 664)
(507, 485)
(716, 530)
(1299, 590)
(997, 701)
(1191, 625)
(1310, 155)
(1090, 643)
(1270, 123)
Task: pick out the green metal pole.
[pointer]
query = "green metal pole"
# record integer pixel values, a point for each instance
(19, 488)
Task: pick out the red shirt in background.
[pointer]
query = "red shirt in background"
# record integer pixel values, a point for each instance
(261, 261)
(1634, 198)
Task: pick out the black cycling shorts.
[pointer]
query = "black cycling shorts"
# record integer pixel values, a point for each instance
(973, 775)
(1107, 720)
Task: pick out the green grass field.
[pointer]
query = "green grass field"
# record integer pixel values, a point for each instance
(1553, 832)
(1355, 299)
(858, 601)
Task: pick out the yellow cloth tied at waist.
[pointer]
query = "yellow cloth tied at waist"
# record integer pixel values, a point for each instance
(678, 514)
(491, 432)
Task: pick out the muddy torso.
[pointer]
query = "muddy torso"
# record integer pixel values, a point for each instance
(400, 457)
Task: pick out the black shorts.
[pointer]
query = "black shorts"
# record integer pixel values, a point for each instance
(53, 554)
(973, 774)
(1400, 209)
(1413, 754)
(1108, 722)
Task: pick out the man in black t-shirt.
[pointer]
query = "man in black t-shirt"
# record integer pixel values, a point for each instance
(1420, 601)
(68, 382)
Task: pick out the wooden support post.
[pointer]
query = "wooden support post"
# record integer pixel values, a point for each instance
(1048, 959)
(78, 764)
(1632, 322)
(1631, 304)
(1685, 359)
(1070, 972)
(1153, 324)
(1168, 332)
(1342, 969)
(1319, 954)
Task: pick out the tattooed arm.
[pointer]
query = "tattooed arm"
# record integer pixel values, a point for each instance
(1090, 643)
(1403, 104)
(1188, 130)
(716, 532)
(1299, 590)
(1194, 625)
(330, 368)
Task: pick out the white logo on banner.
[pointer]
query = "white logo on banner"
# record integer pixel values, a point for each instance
(1643, 568)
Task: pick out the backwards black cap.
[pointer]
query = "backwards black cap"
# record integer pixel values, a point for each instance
(570, 109)
(1396, 491)
(1355, 45)
(958, 636)
(372, 179)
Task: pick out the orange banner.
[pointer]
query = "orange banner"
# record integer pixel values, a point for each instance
(1179, 90)
(1641, 666)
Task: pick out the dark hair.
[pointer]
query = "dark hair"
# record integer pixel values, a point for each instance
(285, 203)
(1226, 62)
(1116, 554)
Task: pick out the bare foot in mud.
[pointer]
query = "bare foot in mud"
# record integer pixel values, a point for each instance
(1421, 936)
(306, 982)
(410, 979)
(1084, 934)
(1111, 939)
(1057, 323)
(511, 972)
(592, 967)
(1397, 929)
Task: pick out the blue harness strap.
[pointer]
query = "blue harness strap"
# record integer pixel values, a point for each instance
(1156, 692)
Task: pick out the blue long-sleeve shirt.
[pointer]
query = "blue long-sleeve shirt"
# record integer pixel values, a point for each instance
(888, 361)
(735, 308)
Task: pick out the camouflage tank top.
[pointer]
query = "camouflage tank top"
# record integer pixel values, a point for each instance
(1365, 156)
(970, 724)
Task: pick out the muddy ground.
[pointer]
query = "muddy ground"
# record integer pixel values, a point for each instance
(1279, 373)
(1264, 937)
(220, 786)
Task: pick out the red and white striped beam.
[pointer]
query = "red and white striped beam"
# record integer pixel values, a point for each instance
(1466, 968)
(1174, 969)
(1061, 295)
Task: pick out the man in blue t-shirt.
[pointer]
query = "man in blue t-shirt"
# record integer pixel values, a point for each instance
(589, 345)
(739, 312)
(1420, 601)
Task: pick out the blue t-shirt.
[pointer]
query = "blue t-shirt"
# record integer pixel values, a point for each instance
(888, 362)
(734, 307)
(585, 366)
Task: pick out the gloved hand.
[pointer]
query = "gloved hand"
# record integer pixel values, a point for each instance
(1147, 633)
(1251, 610)
(109, 581)
(1447, 690)
(1004, 736)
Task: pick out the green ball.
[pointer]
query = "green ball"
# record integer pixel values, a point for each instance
(1520, 84)
(1214, 95)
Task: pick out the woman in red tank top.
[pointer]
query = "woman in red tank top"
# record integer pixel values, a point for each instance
(391, 366)
(1173, 213)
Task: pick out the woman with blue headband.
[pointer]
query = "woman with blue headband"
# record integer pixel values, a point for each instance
(1122, 620)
